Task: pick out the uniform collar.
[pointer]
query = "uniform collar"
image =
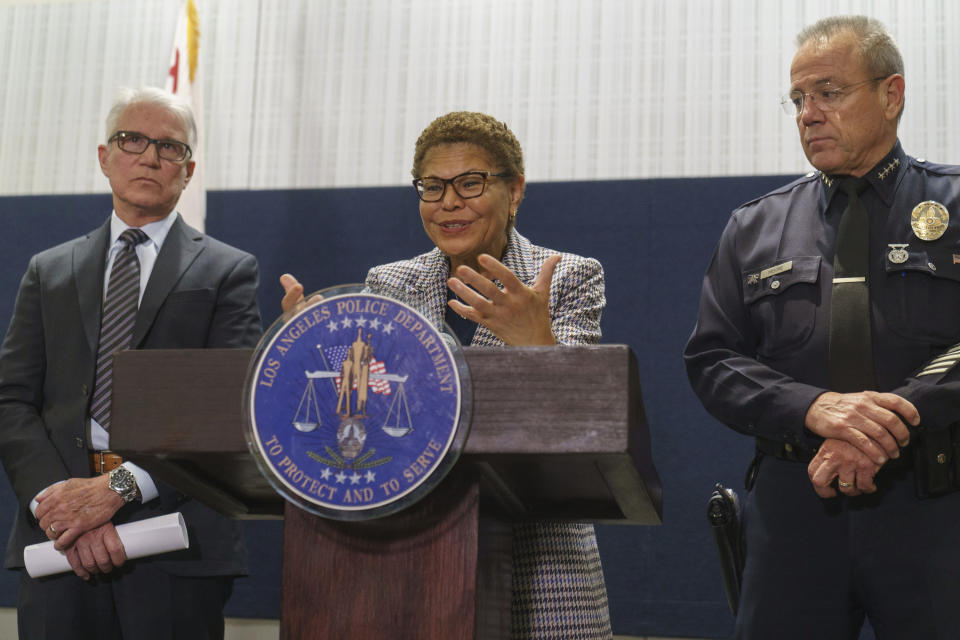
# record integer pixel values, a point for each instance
(884, 177)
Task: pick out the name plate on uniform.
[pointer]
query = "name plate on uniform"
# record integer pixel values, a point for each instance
(356, 406)
(776, 270)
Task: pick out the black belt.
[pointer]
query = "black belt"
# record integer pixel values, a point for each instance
(784, 451)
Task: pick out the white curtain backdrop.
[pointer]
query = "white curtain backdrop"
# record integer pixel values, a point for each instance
(326, 93)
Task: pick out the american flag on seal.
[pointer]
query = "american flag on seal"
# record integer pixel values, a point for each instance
(335, 357)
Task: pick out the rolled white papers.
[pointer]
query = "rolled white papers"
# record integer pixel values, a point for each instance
(141, 538)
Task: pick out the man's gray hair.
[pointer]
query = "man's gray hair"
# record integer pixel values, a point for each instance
(177, 106)
(879, 51)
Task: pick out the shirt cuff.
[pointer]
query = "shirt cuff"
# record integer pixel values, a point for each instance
(148, 490)
(34, 504)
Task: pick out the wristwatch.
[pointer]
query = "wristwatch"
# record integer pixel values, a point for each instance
(124, 483)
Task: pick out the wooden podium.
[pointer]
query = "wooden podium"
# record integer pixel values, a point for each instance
(556, 434)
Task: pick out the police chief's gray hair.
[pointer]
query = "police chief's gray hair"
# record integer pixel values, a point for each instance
(879, 51)
(177, 106)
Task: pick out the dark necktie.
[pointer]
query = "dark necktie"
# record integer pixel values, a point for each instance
(851, 352)
(117, 319)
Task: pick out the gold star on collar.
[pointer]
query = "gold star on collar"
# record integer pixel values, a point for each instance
(887, 170)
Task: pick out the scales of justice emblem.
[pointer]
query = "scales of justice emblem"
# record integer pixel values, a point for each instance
(354, 375)
(356, 406)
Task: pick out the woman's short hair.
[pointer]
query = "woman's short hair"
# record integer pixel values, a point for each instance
(127, 97)
(472, 127)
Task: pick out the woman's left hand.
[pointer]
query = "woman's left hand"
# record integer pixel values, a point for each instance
(517, 314)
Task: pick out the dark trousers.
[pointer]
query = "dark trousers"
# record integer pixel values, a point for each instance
(816, 567)
(138, 601)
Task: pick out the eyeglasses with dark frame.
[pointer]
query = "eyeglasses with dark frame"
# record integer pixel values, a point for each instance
(826, 97)
(466, 185)
(136, 143)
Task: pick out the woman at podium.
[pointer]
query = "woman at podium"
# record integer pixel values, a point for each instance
(494, 287)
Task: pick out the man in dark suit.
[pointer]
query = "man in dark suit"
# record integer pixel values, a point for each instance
(55, 373)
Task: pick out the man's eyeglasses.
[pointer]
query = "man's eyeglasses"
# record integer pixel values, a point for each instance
(134, 142)
(466, 185)
(826, 97)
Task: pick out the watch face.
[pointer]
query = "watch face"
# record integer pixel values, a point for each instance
(121, 481)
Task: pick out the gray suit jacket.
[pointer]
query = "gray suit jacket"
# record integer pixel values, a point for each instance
(201, 294)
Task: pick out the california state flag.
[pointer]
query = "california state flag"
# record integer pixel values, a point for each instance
(183, 79)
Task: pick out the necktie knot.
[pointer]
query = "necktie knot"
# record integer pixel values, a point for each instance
(133, 237)
(853, 187)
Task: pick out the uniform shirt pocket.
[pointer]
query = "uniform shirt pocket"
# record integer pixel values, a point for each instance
(923, 294)
(782, 297)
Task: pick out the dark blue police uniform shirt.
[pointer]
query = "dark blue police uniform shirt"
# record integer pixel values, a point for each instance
(758, 354)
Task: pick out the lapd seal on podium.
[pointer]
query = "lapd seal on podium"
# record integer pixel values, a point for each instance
(356, 406)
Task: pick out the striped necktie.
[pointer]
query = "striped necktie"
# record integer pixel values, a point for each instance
(851, 349)
(117, 320)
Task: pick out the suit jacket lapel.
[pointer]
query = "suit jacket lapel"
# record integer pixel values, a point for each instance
(181, 247)
(519, 258)
(431, 286)
(89, 265)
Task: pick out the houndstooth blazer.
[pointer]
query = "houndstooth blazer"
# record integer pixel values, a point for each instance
(576, 293)
(558, 590)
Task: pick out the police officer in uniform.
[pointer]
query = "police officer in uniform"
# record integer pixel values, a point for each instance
(826, 323)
